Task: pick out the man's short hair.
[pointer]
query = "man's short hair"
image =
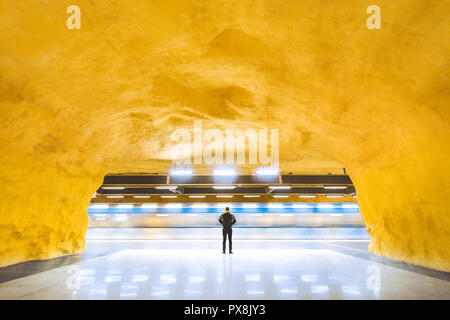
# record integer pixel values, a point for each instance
(227, 209)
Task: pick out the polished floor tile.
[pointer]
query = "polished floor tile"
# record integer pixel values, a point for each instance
(198, 270)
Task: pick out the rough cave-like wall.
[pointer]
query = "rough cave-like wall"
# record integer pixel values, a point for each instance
(76, 104)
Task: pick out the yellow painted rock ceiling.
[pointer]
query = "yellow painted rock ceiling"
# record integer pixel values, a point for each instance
(76, 104)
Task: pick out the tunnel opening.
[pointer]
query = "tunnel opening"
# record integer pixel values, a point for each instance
(182, 205)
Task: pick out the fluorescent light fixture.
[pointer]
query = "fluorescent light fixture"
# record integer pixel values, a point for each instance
(224, 196)
(350, 206)
(115, 197)
(100, 215)
(335, 187)
(199, 206)
(279, 187)
(286, 215)
(334, 196)
(181, 172)
(275, 205)
(224, 187)
(125, 206)
(150, 206)
(280, 196)
(252, 196)
(166, 187)
(99, 206)
(168, 197)
(141, 197)
(300, 205)
(162, 215)
(224, 172)
(196, 197)
(174, 205)
(336, 215)
(306, 196)
(113, 188)
(267, 171)
(325, 206)
(250, 205)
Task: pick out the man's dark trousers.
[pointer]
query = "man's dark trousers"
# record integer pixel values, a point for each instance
(226, 232)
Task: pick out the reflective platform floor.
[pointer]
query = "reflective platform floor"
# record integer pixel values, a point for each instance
(258, 269)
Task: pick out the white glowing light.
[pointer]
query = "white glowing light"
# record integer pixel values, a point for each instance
(224, 172)
(252, 196)
(280, 196)
(192, 214)
(113, 188)
(196, 197)
(168, 197)
(100, 206)
(335, 187)
(174, 205)
(336, 215)
(224, 196)
(350, 206)
(115, 197)
(279, 187)
(166, 187)
(286, 215)
(325, 206)
(141, 197)
(162, 215)
(125, 206)
(250, 205)
(334, 196)
(199, 206)
(180, 172)
(224, 187)
(275, 205)
(256, 214)
(300, 206)
(306, 196)
(149, 206)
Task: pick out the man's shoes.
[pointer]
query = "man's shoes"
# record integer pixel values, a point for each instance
(231, 252)
(223, 252)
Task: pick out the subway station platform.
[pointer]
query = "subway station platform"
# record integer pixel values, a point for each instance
(197, 269)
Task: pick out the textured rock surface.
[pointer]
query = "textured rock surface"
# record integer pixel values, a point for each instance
(76, 104)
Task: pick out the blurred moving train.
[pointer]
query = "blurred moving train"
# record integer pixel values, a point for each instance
(200, 221)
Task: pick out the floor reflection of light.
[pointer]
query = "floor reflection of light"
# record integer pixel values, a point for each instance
(309, 277)
(168, 278)
(139, 278)
(97, 292)
(350, 289)
(160, 293)
(84, 281)
(255, 292)
(252, 277)
(128, 291)
(195, 279)
(112, 278)
(319, 289)
(277, 278)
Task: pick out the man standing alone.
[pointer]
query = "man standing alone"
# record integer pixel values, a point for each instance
(227, 220)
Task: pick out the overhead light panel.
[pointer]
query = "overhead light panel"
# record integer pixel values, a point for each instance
(196, 197)
(113, 188)
(335, 187)
(267, 171)
(141, 197)
(224, 172)
(224, 187)
(115, 197)
(180, 172)
(279, 187)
